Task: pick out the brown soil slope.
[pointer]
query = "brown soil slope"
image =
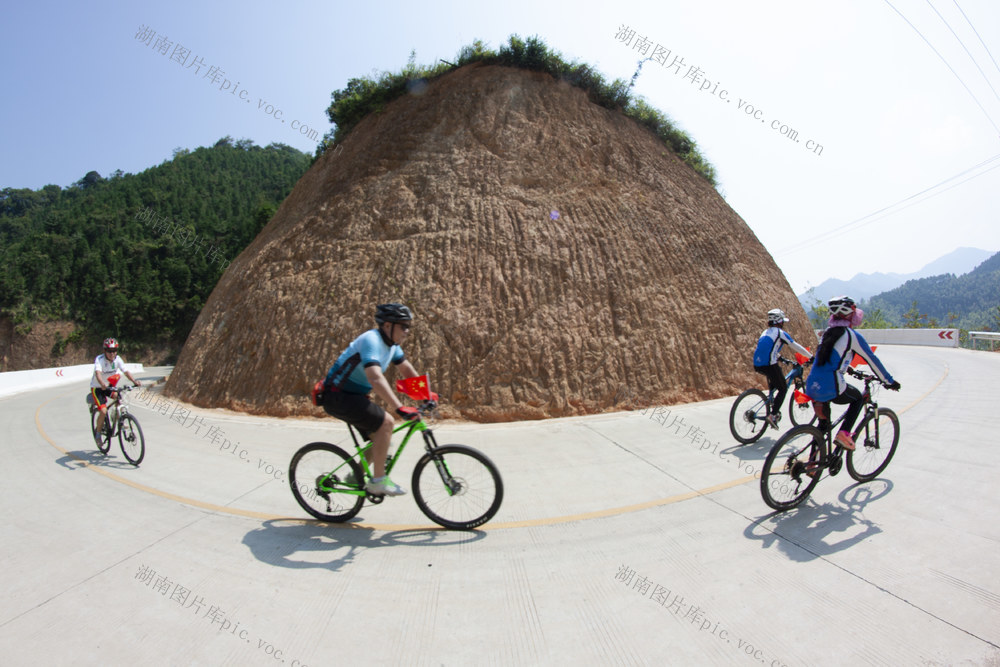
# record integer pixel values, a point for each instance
(647, 285)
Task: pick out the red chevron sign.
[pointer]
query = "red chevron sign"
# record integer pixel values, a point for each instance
(946, 334)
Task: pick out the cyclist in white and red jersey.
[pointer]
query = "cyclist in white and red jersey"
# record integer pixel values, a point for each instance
(108, 369)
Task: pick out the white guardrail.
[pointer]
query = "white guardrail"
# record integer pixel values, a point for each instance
(13, 382)
(935, 337)
(976, 336)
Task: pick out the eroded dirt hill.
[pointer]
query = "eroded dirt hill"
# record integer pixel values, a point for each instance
(559, 259)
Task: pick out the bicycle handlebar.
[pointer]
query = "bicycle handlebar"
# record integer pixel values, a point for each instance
(867, 377)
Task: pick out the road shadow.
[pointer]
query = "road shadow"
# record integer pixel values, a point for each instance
(305, 544)
(814, 530)
(79, 459)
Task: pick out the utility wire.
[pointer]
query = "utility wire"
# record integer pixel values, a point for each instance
(978, 35)
(887, 210)
(976, 99)
(971, 57)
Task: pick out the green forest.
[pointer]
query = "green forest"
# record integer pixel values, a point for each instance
(970, 302)
(136, 256)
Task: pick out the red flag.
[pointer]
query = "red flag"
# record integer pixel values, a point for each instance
(801, 358)
(858, 360)
(417, 388)
(801, 398)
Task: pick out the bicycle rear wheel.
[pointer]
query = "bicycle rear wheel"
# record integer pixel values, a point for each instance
(317, 476)
(785, 480)
(105, 443)
(748, 417)
(875, 442)
(457, 487)
(130, 438)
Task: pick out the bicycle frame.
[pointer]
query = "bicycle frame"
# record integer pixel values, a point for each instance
(870, 406)
(791, 380)
(411, 427)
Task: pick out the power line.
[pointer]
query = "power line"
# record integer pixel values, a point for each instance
(887, 210)
(971, 57)
(976, 99)
(979, 36)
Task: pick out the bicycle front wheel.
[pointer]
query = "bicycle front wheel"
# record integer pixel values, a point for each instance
(875, 442)
(800, 413)
(318, 475)
(792, 468)
(748, 418)
(105, 443)
(130, 438)
(457, 487)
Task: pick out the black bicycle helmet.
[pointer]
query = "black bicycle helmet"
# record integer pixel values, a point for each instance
(841, 306)
(392, 312)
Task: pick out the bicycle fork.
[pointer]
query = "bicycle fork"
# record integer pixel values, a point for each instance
(450, 483)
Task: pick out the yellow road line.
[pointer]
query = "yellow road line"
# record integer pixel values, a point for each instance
(527, 523)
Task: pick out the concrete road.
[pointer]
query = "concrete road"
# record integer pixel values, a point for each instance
(624, 538)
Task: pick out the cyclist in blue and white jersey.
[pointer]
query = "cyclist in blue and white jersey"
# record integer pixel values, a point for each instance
(765, 359)
(836, 350)
(360, 369)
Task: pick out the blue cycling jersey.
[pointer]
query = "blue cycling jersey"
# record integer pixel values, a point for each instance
(368, 349)
(826, 381)
(769, 346)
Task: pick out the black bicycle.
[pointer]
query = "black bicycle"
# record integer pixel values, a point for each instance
(748, 417)
(120, 423)
(455, 486)
(796, 462)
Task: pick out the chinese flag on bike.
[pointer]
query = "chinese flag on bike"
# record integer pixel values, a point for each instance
(418, 388)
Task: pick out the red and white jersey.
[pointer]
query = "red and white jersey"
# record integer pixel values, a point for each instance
(109, 369)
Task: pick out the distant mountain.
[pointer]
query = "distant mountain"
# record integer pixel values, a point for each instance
(973, 298)
(865, 285)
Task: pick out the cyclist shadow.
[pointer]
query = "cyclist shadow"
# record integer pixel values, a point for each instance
(814, 530)
(304, 544)
(88, 457)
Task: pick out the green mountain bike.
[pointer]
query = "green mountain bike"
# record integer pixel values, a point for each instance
(456, 486)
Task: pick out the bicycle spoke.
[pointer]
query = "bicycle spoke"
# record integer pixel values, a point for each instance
(318, 476)
(792, 468)
(457, 487)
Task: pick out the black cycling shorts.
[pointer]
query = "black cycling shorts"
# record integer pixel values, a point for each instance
(100, 396)
(355, 409)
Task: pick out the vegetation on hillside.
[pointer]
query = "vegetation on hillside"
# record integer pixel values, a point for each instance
(136, 256)
(366, 95)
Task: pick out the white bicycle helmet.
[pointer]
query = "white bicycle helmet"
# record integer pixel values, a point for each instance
(776, 316)
(841, 306)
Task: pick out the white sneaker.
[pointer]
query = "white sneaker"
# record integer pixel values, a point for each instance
(383, 486)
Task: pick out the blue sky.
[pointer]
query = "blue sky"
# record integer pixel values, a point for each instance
(82, 93)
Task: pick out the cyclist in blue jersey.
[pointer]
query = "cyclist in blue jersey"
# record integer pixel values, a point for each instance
(359, 370)
(765, 359)
(836, 350)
